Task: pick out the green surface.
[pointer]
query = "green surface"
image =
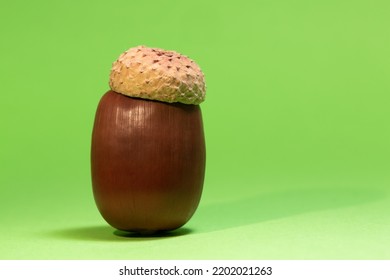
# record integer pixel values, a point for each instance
(296, 120)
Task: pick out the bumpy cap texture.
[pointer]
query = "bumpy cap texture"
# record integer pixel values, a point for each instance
(157, 74)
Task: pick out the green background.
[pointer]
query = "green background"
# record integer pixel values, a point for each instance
(296, 121)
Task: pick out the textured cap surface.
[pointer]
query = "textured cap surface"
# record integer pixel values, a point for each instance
(156, 74)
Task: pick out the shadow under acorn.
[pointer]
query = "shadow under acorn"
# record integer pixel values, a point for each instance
(155, 234)
(235, 213)
(107, 233)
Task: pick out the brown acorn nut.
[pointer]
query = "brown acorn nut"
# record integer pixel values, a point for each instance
(148, 146)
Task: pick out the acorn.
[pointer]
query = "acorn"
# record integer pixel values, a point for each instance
(148, 150)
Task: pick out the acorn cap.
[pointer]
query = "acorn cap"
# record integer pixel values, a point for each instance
(157, 74)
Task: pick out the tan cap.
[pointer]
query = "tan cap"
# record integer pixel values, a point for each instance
(156, 74)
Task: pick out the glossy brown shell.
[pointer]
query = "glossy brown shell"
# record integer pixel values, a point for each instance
(147, 161)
